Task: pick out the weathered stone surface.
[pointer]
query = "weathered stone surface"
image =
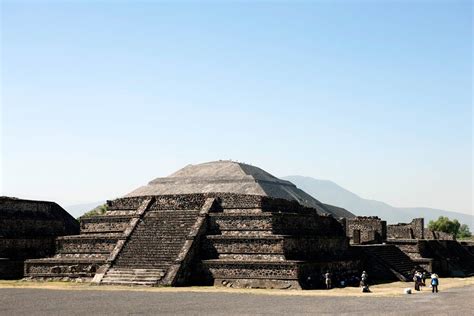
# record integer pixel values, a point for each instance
(27, 230)
(370, 229)
(245, 227)
(235, 178)
(412, 230)
(100, 242)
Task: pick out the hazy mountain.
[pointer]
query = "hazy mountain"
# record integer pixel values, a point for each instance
(79, 209)
(331, 193)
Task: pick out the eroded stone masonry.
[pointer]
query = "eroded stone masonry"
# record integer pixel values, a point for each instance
(28, 229)
(234, 225)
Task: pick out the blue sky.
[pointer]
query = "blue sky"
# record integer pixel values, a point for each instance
(100, 97)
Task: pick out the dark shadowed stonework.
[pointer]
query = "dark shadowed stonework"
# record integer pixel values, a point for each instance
(366, 230)
(222, 223)
(28, 230)
(234, 225)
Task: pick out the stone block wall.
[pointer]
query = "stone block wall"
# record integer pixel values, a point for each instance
(372, 229)
(22, 248)
(28, 230)
(432, 234)
(413, 230)
(196, 201)
(25, 218)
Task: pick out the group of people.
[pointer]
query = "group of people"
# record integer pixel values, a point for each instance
(419, 277)
(348, 280)
(343, 280)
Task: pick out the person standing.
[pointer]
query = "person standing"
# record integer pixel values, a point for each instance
(434, 283)
(417, 279)
(364, 282)
(327, 277)
(424, 276)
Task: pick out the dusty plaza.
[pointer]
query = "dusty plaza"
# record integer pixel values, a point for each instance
(54, 298)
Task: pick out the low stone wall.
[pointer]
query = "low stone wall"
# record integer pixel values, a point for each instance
(86, 245)
(104, 223)
(412, 230)
(275, 223)
(25, 218)
(73, 268)
(371, 229)
(196, 201)
(432, 234)
(278, 275)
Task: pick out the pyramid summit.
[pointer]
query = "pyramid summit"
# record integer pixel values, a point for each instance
(227, 176)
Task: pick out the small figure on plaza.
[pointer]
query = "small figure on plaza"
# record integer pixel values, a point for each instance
(434, 283)
(417, 278)
(364, 282)
(328, 281)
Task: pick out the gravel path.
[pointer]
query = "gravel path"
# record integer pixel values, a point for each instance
(15, 301)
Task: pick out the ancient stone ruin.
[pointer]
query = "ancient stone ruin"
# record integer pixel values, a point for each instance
(230, 224)
(394, 251)
(28, 230)
(222, 223)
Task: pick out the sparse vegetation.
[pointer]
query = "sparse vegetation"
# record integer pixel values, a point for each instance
(446, 225)
(99, 210)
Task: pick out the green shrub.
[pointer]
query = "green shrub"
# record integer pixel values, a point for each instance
(444, 224)
(99, 210)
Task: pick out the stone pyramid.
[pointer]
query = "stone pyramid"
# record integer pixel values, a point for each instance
(232, 177)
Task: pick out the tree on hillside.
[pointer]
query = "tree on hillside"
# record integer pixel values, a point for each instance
(464, 232)
(99, 210)
(444, 224)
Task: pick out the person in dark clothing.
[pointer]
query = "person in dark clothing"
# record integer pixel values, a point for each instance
(424, 276)
(417, 279)
(364, 282)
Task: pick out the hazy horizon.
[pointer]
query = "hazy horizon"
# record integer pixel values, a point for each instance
(98, 98)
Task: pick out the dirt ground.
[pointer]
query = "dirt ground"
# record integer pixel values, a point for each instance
(48, 298)
(382, 290)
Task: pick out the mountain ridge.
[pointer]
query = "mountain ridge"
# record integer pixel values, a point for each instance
(330, 192)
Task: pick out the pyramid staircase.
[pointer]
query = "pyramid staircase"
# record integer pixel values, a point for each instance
(152, 248)
(81, 256)
(393, 261)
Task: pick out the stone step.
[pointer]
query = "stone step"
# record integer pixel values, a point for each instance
(136, 274)
(129, 270)
(120, 212)
(164, 259)
(246, 232)
(392, 257)
(91, 236)
(127, 282)
(155, 244)
(135, 277)
(252, 257)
